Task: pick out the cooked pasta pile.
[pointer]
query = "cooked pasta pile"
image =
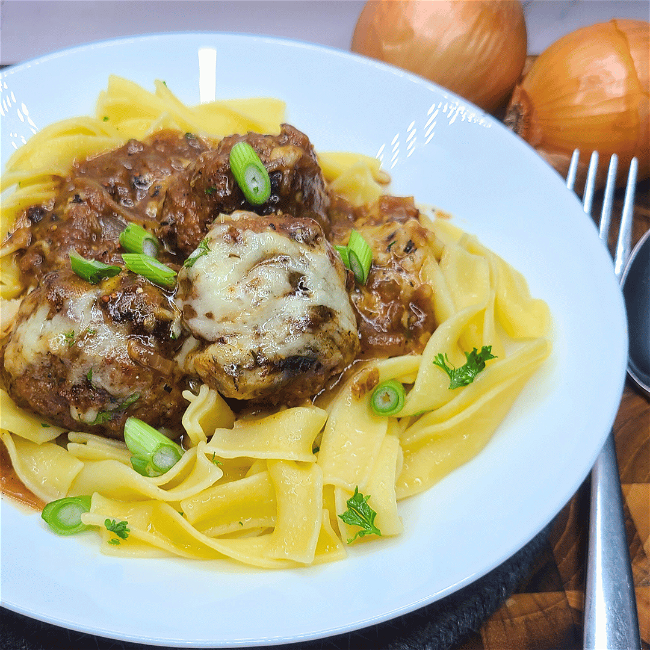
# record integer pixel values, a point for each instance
(268, 489)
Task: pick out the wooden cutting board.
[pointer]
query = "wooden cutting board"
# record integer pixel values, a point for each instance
(546, 612)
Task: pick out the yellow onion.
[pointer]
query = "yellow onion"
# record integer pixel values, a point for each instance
(475, 48)
(588, 90)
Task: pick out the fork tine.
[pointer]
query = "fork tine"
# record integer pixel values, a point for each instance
(573, 169)
(608, 200)
(624, 240)
(624, 243)
(590, 184)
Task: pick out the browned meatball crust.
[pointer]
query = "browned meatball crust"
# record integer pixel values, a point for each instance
(208, 188)
(96, 201)
(86, 357)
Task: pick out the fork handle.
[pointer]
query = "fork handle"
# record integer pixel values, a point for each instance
(611, 619)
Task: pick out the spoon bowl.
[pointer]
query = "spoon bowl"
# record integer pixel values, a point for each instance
(636, 290)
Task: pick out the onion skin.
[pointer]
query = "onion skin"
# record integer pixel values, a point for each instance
(589, 90)
(475, 48)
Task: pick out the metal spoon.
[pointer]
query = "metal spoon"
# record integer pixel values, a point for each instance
(636, 289)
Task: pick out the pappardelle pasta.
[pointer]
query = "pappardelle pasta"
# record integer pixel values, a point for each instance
(217, 354)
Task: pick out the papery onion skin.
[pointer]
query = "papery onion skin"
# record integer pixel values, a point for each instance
(475, 48)
(589, 90)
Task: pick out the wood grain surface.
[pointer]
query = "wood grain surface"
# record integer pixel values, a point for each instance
(546, 612)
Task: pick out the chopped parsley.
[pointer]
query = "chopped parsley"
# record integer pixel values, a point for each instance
(120, 528)
(105, 416)
(102, 417)
(131, 399)
(465, 374)
(359, 513)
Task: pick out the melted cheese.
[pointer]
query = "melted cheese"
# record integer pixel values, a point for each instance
(244, 289)
(37, 337)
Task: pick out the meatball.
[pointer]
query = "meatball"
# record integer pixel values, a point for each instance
(208, 188)
(86, 357)
(265, 298)
(98, 198)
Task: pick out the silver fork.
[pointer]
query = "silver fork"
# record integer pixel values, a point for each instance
(610, 618)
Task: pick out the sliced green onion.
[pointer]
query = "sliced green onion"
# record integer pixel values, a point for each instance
(388, 398)
(202, 249)
(63, 516)
(141, 465)
(250, 173)
(357, 256)
(360, 255)
(135, 239)
(91, 270)
(153, 453)
(343, 252)
(150, 268)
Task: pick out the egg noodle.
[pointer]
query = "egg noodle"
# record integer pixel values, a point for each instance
(268, 490)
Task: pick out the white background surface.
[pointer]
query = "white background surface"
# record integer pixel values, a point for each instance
(32, 28)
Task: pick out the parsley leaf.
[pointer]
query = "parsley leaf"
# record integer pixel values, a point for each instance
(359, 513)
(120, 528)
(131, 399)
(102, 417)
(106, 416)
(467, 373)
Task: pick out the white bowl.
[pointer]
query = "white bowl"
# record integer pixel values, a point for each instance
(446, 153)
